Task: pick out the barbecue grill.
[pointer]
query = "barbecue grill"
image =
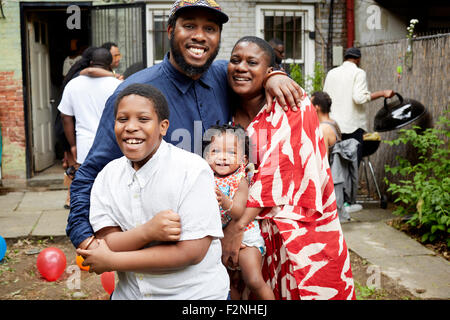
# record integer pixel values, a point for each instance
(392, 116)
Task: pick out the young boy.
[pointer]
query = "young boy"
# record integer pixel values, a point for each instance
(131, 193)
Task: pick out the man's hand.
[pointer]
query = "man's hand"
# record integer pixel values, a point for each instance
(388, 93)
(99, 259)
(164, 226)
(285, 90)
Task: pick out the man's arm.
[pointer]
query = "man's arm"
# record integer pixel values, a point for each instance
(103, 150)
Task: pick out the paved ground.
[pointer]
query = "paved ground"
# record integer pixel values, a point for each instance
(423, 273)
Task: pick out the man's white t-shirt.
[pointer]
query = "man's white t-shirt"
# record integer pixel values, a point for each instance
(172, 179)
(84, 98)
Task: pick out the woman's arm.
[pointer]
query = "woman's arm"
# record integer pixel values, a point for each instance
(233, 234)
(158, 258)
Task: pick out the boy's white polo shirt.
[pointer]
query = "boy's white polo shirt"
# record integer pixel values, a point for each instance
(172, 179)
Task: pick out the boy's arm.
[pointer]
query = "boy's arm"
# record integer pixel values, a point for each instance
(157, 258)
(165, 226)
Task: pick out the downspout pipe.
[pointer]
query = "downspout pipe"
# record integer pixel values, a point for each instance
(350, 23)
(330, 36)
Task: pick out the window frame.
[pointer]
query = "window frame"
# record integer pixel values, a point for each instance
(308, 45)
(151, 11)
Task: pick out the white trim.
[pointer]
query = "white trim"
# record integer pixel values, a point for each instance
(308, 21)
(149, 8)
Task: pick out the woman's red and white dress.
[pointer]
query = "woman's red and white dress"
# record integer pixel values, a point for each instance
(306, 254)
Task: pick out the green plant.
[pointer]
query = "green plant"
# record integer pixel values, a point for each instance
(312, 82)
(424, 191)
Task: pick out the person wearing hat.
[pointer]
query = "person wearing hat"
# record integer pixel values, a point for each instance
(347, 87)
(196, 90)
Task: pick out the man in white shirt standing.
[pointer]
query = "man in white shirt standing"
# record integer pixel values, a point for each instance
(347, 87)
(82, 105)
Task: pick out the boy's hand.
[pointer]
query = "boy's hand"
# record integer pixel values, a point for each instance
(164, 226)
(97, 259)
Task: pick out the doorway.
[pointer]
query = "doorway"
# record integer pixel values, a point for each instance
(47, 40)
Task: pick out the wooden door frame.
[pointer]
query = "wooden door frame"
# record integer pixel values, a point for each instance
(25, 8)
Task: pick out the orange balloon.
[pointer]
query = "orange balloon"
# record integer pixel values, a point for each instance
(80, 260)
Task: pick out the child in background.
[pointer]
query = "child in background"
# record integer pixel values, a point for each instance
(330, 129)
(227, 155)
(131, 193)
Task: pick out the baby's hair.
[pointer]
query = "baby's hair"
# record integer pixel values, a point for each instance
(237, 130)
(263, 45)
(323, 100)
(146, 91)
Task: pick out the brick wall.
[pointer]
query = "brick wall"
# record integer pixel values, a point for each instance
(11, 98)
(322, 26)
(241, 23)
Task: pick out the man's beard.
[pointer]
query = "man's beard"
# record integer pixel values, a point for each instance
(187, 68)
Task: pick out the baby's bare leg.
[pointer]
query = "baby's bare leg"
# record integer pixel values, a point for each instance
(250, 260)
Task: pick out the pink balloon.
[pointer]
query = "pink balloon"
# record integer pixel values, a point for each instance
(51, 263)
(108, 283)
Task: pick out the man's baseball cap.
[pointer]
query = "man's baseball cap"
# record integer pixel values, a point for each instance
(182, 5)
(352, 53)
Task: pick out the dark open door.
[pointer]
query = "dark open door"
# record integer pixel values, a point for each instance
(123, 24)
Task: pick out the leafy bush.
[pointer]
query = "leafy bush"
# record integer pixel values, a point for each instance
(313, 82)
(424, 191)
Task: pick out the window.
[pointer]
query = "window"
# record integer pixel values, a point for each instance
(157, 41)
(292, 25)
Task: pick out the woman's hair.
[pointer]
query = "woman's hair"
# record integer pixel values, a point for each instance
(237, 130)
(149, 92)
(81, 64)
(263, 45)
(323, 100)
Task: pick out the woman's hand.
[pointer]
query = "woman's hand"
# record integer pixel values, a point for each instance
(286, 91)
(231, 244)
(99, 259)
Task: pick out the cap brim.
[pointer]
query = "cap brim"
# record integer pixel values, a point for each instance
(221, 17)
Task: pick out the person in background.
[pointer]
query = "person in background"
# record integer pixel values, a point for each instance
(330, 129)
(116, 55)
(278, 47)
(68, 162)
(82, 104)
(347, 87)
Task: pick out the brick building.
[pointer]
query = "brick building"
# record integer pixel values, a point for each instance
(35, 37)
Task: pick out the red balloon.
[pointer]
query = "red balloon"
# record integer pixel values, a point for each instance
(108, 282)
(51, 263)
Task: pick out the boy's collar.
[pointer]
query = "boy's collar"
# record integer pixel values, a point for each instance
(144, 174)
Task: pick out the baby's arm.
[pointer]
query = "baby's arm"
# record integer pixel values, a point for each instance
(239, 201)
(157, 258)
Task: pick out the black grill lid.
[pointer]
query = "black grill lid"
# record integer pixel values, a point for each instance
(397, 114)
